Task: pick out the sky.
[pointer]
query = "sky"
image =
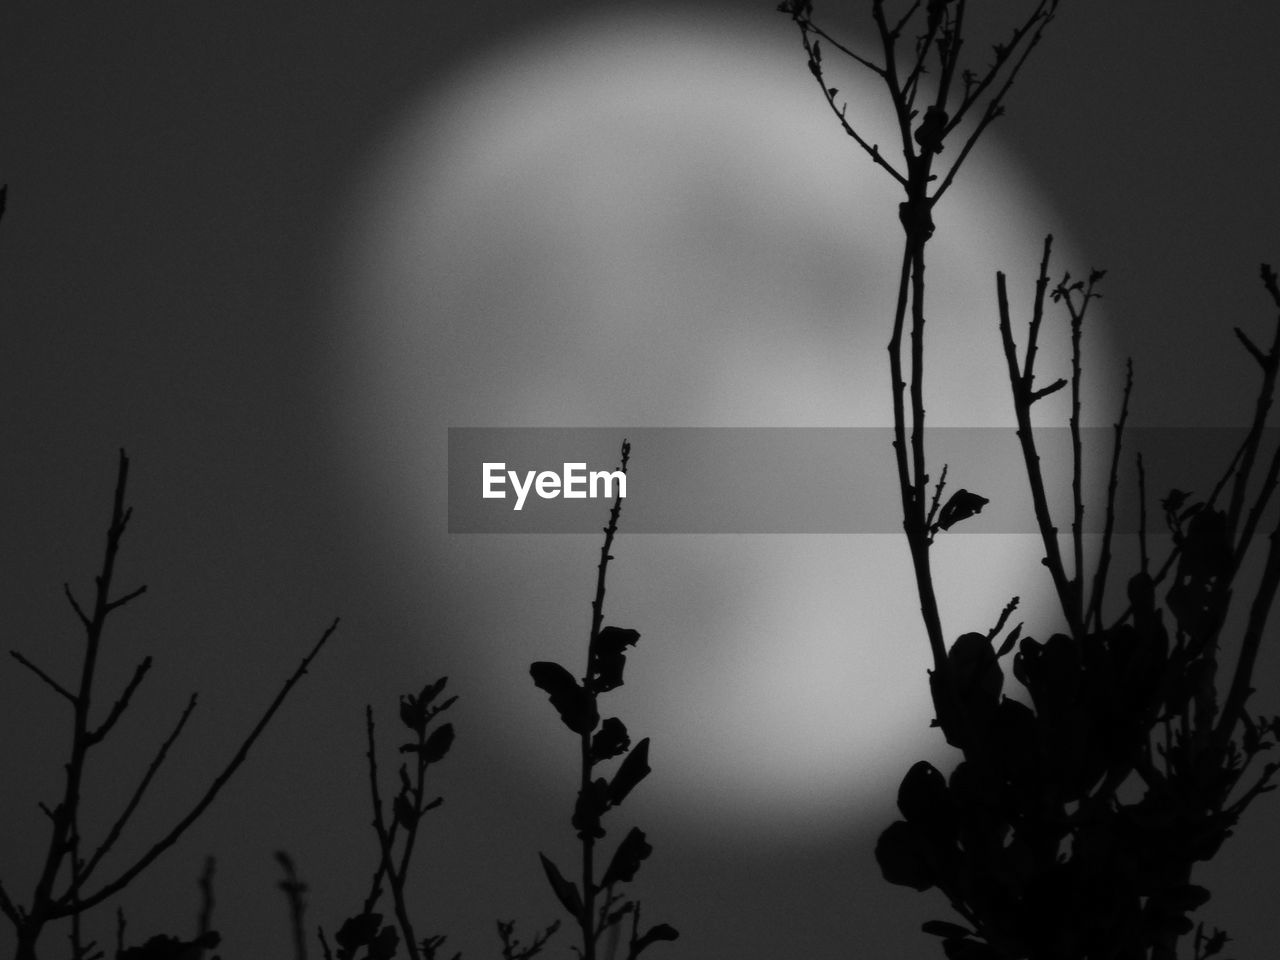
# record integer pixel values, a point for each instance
(222, 217)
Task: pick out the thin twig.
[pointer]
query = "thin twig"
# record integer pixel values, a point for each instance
(54, 684)
(585, 921)
(1039, 19)
(1241, 680)
(213, 790)
(204, 921)
(1142, 517)
(121, 704)
(1009, 607)
(385, 840)
(1094, 612)
(152, 769)
(294, 889)
(1026, 438)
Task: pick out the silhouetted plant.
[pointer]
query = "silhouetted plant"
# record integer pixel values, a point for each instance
(62, 890)
(1037, 838)
(1071, 827)
(938, 42)
(595, 904)
(364, 935)
(365, 931)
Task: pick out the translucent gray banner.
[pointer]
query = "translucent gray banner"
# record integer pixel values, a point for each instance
(804, 480)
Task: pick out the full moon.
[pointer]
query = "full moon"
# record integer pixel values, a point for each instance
(644, 221)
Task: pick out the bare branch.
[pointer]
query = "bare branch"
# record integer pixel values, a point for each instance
(906, 17)
(1258, 612)
(1039, 19)
(937, 498)
(63, 908)
(121, 601)
(57, 687)
(1251, 347)
(294, 889)
(1145, 559)
(1259, 507)
(1046, 391)
(1269, 282)
(385, 838)
(84, 620)
(1094, 612)
(1026, 438)
(1009, 607)
(122, 704)
(8, 907)
(873, 67)
(204, 921)
(152, 769)
(815, 67)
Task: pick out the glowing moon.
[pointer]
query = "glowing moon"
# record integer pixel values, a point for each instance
(653, 222)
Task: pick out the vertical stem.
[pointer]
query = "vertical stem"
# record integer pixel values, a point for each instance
(587, 920)
(1022, 400)
(61, 840)
(1077, 493)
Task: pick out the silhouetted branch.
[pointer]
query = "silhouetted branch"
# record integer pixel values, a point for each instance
(204, 919)
(1094, 613)
(386, 836)
(213, 790)
(122, 704)
(294, 889)
(57, 687)
(75, 605)
(577, 703)
(1021, 385)
(1009, 607)
(1025, 38)
(152, 769)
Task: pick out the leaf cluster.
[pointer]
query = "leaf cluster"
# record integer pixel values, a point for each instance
(1072, 824)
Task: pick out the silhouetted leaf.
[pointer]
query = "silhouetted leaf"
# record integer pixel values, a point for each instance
(610, 740)
(942, 928)
(414, 711)
(437, 744)
(627, 858)
(1186, 897)
(404, 810)
(431, 691)
(608, 657)
(961, 506)
(633, 769)
(590, 806)
(1207, 550)
(903, 857)
(1142, 593)
(1174, 501)
(576, 706)
(976, 671)
(359, 930)
(659, 931)
(1009, 641)
(922, 797)
(411, 715)
(1214, 943)
(384, 944)
(566, 892)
